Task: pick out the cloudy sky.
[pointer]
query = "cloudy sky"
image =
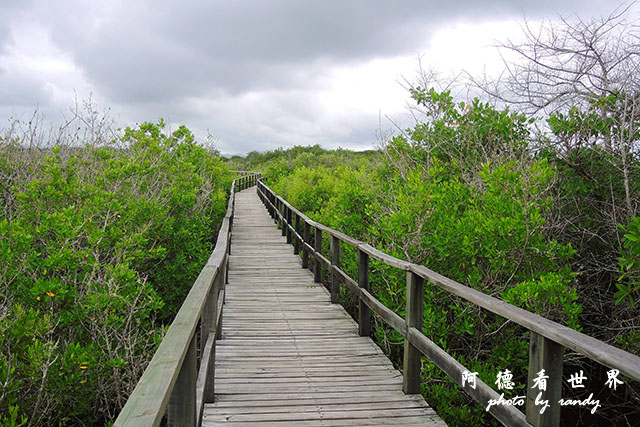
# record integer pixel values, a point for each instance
(255, 74)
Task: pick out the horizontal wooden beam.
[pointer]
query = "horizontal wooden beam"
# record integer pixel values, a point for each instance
(482, 393)
(385, 313)
(597, 350)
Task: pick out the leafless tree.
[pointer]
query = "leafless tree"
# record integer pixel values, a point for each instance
(586, 70)
(571, 63)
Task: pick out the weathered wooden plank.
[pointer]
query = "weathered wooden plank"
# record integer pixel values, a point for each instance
(319, 381)
(362, 394)
(288, 372)
(328, 414)
(293, 406)
(331, 398)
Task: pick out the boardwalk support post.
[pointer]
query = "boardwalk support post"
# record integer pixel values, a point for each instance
(275, 211)
(548, 355)
(317, 245)
(307, 240)
(364, 314)
(289, 225)
(218, 286)
(296, 241)
(412, 356)
(182, 403)
(335, 263)
(283, 222)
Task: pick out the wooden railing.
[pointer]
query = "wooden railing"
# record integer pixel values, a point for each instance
(547, 338)
(180, 379)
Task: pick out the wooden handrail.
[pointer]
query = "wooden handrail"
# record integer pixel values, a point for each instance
(547, 340)
(173, 383)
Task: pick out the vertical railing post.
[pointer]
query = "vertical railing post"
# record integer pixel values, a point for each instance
(317, 265)
(182, 403)
(364, 314)
(213, 331)
(272, 206)
(207, 319)
(278, 211)
(296, 241)
(548, 355)
(219, 285)
(289, 224)
(335, 263)
(412, 356)
(284, 218)
(307, 240)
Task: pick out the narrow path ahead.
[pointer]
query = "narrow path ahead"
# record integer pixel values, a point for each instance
(287, 355)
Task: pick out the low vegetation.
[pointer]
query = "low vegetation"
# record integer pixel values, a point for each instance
(100, 243)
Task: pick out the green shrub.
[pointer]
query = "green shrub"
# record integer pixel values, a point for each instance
(99, 246)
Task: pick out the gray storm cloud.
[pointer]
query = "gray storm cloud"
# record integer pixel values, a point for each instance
(249, 71)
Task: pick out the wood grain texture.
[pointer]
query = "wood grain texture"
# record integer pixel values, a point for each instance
(287, 355)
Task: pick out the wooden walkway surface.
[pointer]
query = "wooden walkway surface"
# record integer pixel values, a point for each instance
(287, 355)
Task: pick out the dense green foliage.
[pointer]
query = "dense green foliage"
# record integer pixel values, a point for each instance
(99, 246)
(468, 193)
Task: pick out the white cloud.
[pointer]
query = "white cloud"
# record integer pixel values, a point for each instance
(36, 72)
(471, 47)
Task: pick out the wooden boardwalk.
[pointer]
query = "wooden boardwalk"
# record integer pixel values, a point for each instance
(287, 355)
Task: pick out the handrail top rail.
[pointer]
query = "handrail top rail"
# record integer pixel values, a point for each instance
(625, 362)
(147, 403)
